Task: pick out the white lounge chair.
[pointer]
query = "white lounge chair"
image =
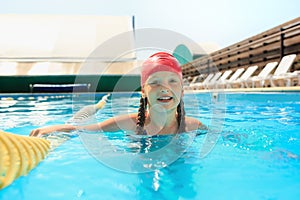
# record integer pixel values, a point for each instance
(281, 74)
(235, 75)
(185, 82)
(293, 79)
(199, 85)
(187, 86)
(242, 81)
(261, 77)
(220, 80)
(213, 80)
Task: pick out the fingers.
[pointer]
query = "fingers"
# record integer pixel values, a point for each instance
(37, 132)
(42, 131)
(34, 132)
(49, 129)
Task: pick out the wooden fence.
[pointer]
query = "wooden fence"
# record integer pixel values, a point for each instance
(258, 50)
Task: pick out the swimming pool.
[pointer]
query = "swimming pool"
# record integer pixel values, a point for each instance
(254, 156)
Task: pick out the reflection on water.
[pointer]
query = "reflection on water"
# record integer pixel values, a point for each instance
(257, 152)
(136, 154)
(152, 159)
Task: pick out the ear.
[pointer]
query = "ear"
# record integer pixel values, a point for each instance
(143, 93)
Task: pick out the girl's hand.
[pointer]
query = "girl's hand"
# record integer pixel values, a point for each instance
(49, 129)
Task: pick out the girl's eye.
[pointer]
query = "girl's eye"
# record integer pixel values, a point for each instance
(173, 81)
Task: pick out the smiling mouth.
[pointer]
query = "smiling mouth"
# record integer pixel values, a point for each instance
(164, 99)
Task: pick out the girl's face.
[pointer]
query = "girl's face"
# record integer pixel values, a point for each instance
(163, 89)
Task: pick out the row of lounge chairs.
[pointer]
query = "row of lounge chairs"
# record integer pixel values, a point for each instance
(243, 78)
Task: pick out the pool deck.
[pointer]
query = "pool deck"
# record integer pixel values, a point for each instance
(269, 89)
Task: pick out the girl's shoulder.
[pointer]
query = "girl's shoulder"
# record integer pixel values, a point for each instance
(126, 117)
(119, 122)
(192, 123)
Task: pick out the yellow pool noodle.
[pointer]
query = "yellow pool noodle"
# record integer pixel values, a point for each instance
(19, 155)
(88, 111)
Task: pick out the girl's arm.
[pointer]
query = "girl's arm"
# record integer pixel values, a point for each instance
(49, 129)
(123, 122)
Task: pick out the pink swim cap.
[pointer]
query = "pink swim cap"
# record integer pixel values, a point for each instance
(160, 61)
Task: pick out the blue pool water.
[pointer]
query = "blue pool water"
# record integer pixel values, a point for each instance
(253, 152)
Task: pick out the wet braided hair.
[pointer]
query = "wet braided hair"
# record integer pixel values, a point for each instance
(142, 117)
(181, 117)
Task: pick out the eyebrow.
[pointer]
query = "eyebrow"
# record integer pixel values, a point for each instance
(171, 76)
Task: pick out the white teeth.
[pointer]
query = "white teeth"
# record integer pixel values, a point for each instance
(165, 98)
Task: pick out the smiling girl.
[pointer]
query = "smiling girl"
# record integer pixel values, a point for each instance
(161, 106)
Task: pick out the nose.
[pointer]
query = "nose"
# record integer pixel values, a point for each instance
(164, 88)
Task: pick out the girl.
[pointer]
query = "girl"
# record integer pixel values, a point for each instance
(161, 107)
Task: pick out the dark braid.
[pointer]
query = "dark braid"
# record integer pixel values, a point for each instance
(141, 116)
(181, 117)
